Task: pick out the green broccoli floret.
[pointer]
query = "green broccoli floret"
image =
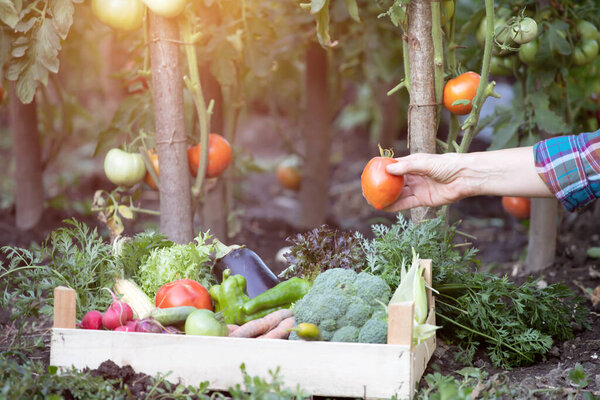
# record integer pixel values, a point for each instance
(341, 302)
(346, 334)
(374, 331)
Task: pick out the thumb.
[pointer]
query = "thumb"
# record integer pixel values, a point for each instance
(414, 163)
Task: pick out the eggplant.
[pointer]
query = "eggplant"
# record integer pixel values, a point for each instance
(247, 263)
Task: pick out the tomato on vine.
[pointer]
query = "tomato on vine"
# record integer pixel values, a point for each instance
(518, 207)
(288, 173)
(459, 93)
(528, 52)
(219, 156)
(524, 31)
(123, 168)
(586, 49)
(379, 187)
(502, 66)
(126, 15)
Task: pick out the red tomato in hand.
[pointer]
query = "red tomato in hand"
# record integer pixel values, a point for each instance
(219, 156)
(463, 87)
(379, 187)
(183, 292)
(518, 207)
(153, 156)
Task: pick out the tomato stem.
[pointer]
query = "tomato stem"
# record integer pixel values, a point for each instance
(385, 152)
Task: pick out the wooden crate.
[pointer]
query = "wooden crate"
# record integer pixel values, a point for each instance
(369, 371)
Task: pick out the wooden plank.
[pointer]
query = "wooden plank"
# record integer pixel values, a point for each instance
(320, 368)
(400, 323)
(64, 307)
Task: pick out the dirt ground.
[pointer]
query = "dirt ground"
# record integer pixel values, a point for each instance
(268, 218)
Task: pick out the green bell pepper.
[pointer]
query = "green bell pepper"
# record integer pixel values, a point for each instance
(229, 297)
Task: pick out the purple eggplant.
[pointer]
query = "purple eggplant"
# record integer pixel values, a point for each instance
(245, 262)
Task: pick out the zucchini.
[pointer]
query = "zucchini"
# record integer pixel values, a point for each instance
(172, 315)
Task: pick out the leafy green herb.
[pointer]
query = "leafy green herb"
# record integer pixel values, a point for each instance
(133, 252)
(321, 249)
(74, 256)
(514, 323)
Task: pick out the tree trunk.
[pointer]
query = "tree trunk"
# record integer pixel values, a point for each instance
(29, 196)
(171, 144)
(314, 193)
(422, 108)
(541, 249)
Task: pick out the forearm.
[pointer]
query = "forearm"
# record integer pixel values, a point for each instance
(508, 172)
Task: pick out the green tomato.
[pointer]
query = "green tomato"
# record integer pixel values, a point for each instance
(528, 52)
(502, 16)
(585, 52)
(166, 8)
(123, 168)
(204, 322)
(525, 31)
(126, 15)
(502, 66)
(587, 30)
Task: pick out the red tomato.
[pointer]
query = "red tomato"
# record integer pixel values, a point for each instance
(219, 156)
(379, 187)
(183, 292)
(154, 160)
(518, 207)
(463, 87)
(288, 173)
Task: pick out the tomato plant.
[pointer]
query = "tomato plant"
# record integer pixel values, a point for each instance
(123, 168)
(153, 156)
(379, 187)
(502, 66)
(126, 15)
(205, 323)
(288, 173)
(183, 292)
(528, 52)
(524, 31)
(219, 156)
(459, 93)
(166, 8)
(518, 207)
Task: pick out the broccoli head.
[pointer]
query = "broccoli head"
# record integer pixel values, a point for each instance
(342, 303)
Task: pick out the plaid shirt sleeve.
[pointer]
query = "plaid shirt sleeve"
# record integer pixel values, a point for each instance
(570, 167)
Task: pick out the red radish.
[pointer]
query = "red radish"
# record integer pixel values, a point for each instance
(91, 320)
(117, 314)
(123, 328)
(132, 325)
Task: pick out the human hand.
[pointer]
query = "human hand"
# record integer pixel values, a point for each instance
(429, 180)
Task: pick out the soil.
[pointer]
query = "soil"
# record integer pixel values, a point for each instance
(270, 214)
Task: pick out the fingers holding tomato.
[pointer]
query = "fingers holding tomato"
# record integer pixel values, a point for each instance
(380, 188)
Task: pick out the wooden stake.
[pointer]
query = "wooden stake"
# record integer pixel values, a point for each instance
(64, 307)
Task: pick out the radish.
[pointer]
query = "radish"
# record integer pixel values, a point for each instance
(117, 314)
(91, 320)
(148, 325)
(124, 328)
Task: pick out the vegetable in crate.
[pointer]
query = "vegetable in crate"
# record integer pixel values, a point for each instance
(346, 307)
(321, 249)
(179, 261)
(245, 262)
(183, 292)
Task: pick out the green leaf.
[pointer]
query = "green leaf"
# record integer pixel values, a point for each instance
(352, 9)
(578, 377)
(507, 132)
(546, 119)
(317, 5)
(557, 37)
(8, 13)
(47, 45)
(125, 211)
(62, 11)
(52, 369)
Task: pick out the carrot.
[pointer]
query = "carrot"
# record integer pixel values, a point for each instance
(232, 327)
(262, 325)
(281, 331)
